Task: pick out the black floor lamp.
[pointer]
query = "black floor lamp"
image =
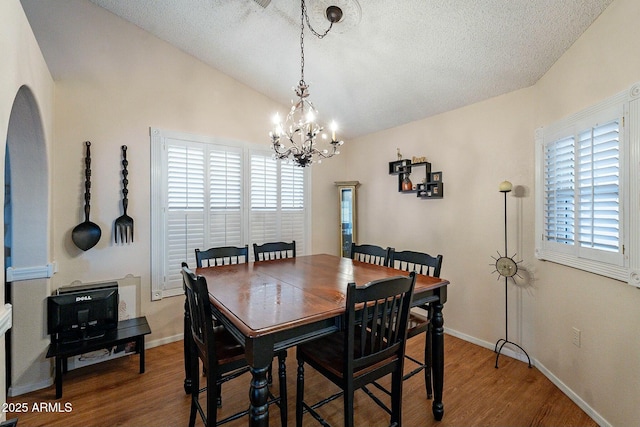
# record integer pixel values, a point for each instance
(506, 267)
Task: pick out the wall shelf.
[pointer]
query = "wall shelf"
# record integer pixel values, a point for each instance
(431, 185)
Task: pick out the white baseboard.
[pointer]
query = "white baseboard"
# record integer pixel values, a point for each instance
(28, 388)
(506, 350)
(163, 341)
(555, 380)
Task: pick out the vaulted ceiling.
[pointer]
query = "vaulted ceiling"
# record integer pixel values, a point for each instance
(386, 63)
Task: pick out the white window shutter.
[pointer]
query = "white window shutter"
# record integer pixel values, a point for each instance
(264, 221)
(185, 209)
(586, 190)
(225, 197)
(208, 192)
(599, 186)
(559, 189)
(292, 196)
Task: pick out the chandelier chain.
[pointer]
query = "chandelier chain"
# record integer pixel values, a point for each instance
(305, 17)
(302, 14)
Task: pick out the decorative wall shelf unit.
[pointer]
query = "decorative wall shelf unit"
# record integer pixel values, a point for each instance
(430, 185)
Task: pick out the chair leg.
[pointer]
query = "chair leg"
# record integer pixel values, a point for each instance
(348, 406)
(212, 399)
(282, 372)
(428, 361)
(194, 381)
(299, 393)
(396, 398)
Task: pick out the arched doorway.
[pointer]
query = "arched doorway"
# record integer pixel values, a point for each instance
(26, 242)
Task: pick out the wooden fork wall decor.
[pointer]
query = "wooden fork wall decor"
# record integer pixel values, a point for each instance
(124, 223)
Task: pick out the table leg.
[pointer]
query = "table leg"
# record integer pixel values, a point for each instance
(438, 360)
(141, 351)
(258, 396)
(58, 377)
(259, 354)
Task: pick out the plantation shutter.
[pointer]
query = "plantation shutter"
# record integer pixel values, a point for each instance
(559, 185)
(599, 187)
(603, 143)
(208, 192)
(264, 199)
(225, 197)
(204, 202)
(185, 207)
(582, 213)
(277, 201)
(293, 213)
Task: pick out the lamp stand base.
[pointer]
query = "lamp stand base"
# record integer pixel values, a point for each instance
(499, 350)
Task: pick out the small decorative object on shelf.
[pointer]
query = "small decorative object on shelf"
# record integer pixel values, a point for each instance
(430, 186)
(415, 159)
(406, 183)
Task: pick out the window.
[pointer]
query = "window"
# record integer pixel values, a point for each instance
(584, 196)
(277, 200)
(199, 201)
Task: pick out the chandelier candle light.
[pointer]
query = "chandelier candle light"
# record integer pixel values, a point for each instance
(295, 138)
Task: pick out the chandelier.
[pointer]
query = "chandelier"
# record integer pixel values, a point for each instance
(297, 137)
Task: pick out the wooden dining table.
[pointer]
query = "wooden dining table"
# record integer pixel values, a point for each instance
(273, 305)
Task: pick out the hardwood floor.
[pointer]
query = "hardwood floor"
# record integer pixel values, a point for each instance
(113, 393)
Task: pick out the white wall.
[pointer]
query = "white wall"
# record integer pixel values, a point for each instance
(476, 148)
(22, 64)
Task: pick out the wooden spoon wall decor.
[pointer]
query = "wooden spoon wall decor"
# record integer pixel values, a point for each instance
(86, 234)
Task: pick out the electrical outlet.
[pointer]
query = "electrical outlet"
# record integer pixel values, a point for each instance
(576, 337)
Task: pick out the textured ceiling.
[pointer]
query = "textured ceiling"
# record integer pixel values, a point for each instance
(402, 60)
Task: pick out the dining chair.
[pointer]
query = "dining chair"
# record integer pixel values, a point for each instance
(274, 250)
(221, 355)
(421, 263)
(371, 254)
(359, 354)
(222, 255)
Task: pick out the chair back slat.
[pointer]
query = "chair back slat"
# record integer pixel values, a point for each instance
(222, 256)
(200, 314)
(274, 250)
(376, 320)
(370, 254)
(420, 262)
